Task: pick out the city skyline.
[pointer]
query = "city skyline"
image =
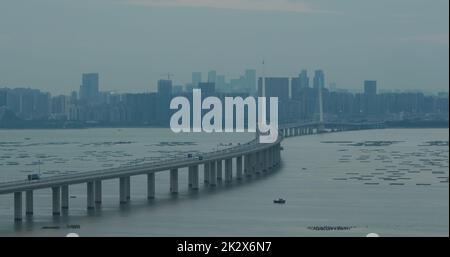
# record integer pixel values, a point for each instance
(223, 81)
(404, 46)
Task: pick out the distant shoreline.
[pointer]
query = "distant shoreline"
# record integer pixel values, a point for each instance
(76, 125)
(417, 124)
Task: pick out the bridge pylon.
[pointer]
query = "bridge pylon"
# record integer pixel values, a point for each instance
(321, 128)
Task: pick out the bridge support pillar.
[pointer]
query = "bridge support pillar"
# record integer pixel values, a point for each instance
(90, 195)
(247, 165)
(190, 176)
(174, 181)
(228, 170)
(279, 153)
(265, 155)
(219, 170)
(122, 190)
(276, 151)
(195, 178)
(151, 185)
(56, 197)
(29, 203)
(206, 172)
(212, 174)
(260, 165)
(272, 157)
(239, 168)
(253, 162)
(256, 163)
(98, 191)
(128, 185)
(17, 206)
(65, 197)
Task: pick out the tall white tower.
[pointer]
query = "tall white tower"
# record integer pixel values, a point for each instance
(321, 126)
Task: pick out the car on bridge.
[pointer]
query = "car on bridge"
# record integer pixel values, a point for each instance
(32, 177)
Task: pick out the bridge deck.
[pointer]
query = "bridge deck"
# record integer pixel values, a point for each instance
(111, 173)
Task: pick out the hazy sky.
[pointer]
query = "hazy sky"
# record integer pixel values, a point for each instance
(47, 44)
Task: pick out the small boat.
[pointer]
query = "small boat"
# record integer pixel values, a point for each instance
(279, 200)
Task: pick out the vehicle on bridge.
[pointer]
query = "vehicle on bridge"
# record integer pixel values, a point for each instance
(32, 177)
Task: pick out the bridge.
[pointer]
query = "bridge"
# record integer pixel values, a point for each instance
(251, 159)
(308, 128)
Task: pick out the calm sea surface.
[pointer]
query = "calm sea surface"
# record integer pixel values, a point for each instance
(393, 182)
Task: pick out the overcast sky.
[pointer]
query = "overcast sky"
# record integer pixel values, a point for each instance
(47, 44)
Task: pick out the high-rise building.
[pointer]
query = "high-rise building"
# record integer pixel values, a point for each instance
(89, 89)
(220, 83)
(177, 89)
(370, 106)
(208, 88)
(212, 76)
(3, 98)
(73, 97)
(304, 79)
(299, 84)
(60, 104)
(275, 87)
(295, 88)
(319, 79)
(370, 87)
(196, 78)
(250, 80)
(165, 87)
(163, 102)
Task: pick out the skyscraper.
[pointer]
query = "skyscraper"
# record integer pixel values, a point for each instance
(220, 83)
(212, 76)
(370, 97)
(208, 88)
(295, 88)
(304, 79)
(89, 89)
(196, 78)
(164, 95)
(250, 80)
(275, 87)
(3, 98)
(299, 84)
(319, 79)
(165, 87)
(370, 87)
